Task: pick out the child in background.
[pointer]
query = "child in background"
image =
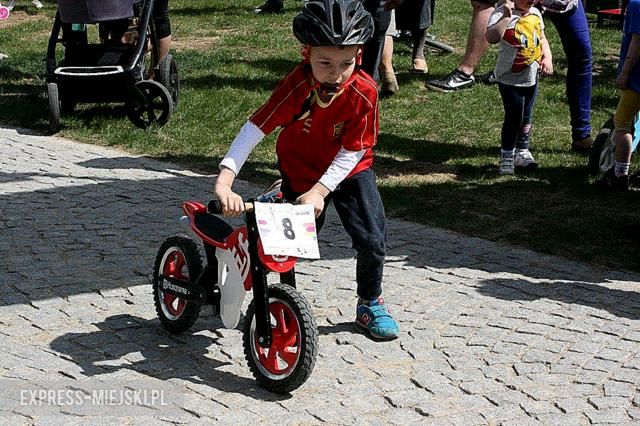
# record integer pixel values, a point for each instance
(327, 109)
(524, 52)
(629, 81)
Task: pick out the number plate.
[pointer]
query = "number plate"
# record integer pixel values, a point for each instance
(287, 229)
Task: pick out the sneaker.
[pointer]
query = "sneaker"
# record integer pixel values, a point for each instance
(269, 7)
(610, 182)
(456, 80)
(582, 146)
(488, 78)
(37, 4)
(505, 165)
(525, 160)
(375, 317)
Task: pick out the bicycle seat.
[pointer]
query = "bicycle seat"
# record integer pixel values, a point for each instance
(212, 226)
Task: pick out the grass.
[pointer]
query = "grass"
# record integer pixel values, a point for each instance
(437, 153)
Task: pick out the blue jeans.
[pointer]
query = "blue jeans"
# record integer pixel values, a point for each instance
(361, 212)
(518, 107)
(574, 34)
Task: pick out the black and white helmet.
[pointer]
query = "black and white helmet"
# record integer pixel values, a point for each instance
(333, 23)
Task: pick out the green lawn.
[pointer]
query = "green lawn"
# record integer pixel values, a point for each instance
(437, 153)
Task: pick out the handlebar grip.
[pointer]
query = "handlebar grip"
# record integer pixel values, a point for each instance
(214, 207)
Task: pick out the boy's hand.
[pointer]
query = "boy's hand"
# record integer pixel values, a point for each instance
(508, 8)
(312, 197)
(232, 203)
(546, 66)
(622, 81)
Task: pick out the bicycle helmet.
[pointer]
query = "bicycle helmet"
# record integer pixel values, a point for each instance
(333, 23)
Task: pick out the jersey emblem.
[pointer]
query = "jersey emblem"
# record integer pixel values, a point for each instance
(337, 129)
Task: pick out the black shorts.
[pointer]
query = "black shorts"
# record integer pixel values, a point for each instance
(489, 2)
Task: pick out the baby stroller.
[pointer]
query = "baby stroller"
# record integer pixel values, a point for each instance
(116, 68)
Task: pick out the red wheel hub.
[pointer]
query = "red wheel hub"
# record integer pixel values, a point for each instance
(173, 268)
(280, 358)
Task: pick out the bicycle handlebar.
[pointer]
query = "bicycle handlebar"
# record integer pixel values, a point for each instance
(215, 207)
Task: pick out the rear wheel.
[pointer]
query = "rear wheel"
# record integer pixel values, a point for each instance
(53, 99)
(289, 361)
(168, 76)
(178, 257)
(602, 154)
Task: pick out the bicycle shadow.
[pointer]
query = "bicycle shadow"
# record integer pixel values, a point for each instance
(128, 342)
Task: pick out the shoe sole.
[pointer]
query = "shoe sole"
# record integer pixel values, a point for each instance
(528, 167)
(580, 149)
(372, 334)
(443, 90)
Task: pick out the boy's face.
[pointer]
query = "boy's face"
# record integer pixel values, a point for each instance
(333, 65)
(523, 5)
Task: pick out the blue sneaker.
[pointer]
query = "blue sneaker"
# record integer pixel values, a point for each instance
(375, 317)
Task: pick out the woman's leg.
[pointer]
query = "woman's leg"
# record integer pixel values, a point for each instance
(574, 34)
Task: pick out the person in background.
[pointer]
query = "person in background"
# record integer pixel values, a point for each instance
(524, 52)
(416, 16)
(463, 76)
(628, 80)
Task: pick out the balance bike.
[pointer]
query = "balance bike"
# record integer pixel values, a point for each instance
(280, 336)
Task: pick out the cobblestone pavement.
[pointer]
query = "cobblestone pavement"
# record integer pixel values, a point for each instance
(490, 333)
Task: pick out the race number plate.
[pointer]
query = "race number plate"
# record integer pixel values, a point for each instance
(287, 229)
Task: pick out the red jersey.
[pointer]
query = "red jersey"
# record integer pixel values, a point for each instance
(313, 131)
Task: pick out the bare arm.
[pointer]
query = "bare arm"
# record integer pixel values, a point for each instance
(496, 31)
(546, 64)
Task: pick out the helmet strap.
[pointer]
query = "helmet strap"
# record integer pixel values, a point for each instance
(305, 52)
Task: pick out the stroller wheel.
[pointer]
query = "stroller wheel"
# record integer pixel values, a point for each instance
(167, 75)
(54, 107)
(149, 103)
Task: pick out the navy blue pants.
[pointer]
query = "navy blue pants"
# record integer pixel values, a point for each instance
(518, 107)
(361, 212)
(574, 34)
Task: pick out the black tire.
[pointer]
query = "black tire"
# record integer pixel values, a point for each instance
(295, 310)
(595, 155)
(149, 103)
(53, 99)
(167, 75)
(176, 315)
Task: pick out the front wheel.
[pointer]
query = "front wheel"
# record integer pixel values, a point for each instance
(178, 257)
(289, 361)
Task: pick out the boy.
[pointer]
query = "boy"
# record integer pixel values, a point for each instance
(524, 51)
(328, 111)
(628, 80)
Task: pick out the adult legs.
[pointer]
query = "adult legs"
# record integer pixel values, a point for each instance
(372, 49)
(476, 41)
(477, 44)
(162, 24)
(574, 34)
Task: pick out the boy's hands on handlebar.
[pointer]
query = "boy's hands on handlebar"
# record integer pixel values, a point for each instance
(232, 203)
(315, 196)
